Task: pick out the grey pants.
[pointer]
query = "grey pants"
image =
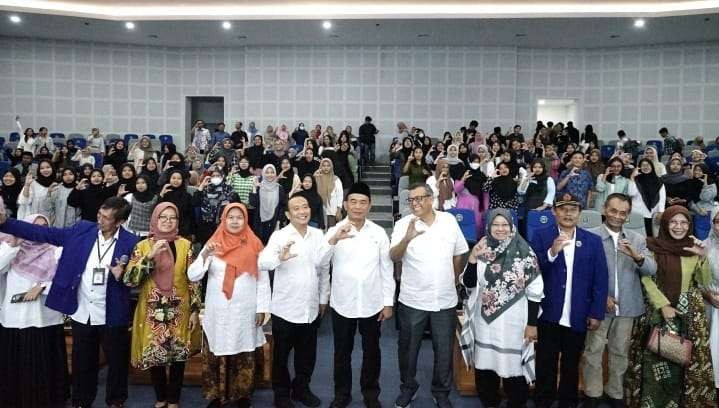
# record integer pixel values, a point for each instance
(411, 329)
(615, 333)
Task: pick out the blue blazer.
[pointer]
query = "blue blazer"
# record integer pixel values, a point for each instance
(77, 242)
(589, 278)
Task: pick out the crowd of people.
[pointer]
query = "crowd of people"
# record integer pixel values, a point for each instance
(159, 255)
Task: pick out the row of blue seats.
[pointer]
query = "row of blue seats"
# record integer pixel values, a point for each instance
(164, 139)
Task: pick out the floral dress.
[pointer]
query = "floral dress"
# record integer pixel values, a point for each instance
(160, 329)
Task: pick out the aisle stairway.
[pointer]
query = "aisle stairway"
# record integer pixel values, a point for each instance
(378, 179)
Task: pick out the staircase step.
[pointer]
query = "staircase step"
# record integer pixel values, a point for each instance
(385, 189)
(376, 182)
(382, 173)
(384, 220)
(381, 208)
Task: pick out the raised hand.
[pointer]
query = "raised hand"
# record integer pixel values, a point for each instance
(285, 254)
(480, 250)
(118, 269)
(82, 184)
(343, 232)
(559, 243)
(28, 179)
(697, 248)
(159, 246)
(412, 232)
(165, 189)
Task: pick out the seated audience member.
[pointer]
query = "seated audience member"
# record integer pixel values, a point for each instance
(442, 186)
(575, 180)
(89, 194)
(610, 182)
(702, 190)
(116, 155)
(143, 201)
(502, 188)
(175, 192)
(12, 185)
(648, 194)
(676, 183)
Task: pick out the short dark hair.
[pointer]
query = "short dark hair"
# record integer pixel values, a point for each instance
(473, 123)
(367, 119)
(663, 130)
(427, 189)
(576, 152)
(619, 196)
(299, 194)
(27, 154)
(122, 208)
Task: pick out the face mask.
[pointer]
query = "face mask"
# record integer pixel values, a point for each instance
(216, 181)
(474, 166)
(302, 128)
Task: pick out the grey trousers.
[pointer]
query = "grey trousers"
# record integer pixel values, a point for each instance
(411, 329)
(615, 333)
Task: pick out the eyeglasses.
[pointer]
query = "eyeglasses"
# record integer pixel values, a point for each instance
(164, 218)
(678, 223)
(500, 226)
(417, 199)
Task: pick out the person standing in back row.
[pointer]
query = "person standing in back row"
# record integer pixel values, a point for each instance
(362, 295)
(367, 134)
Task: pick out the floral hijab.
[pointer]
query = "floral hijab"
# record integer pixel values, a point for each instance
(511, 266)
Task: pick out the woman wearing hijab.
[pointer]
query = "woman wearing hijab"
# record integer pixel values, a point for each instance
(175, 192)
(648, 194)
(242, 180)
(237, 302)
(308, 189)
(254, 154)
(142, 151)
(211, 196)
(10, 190)
(33, 363)
(456, 166)
(651, 153)
(346, 165)
(307, 164)
(537, 188)
(505, 288)
(168, 150)
(710, 292)
(224, 149)
(674, 303)
(442, 185)
(330, 189)
(116, 155)
(165, 330)
(610, 182)
(127, 177)
(89, 194)
(502, 188)
(675, 183)
(56, 207)
(469, 189)
(32, 199)
(287, 178)
(143, 201)
(270, 201)
(702, 190)
(149, 170)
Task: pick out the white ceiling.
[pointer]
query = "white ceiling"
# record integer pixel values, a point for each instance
(535, 32)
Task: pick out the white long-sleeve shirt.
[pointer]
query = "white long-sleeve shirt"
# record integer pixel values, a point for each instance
(301, 283)
(230, 324)
(569, 262)
(638, 205)
(335, 199)
(362, 271)
(91, 299)
(24, 314)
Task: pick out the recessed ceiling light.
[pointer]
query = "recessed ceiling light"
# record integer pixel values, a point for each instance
(614, 36)
(520, 35)
(639, 23)
(327, 25)
(226, 25)
(15, 19)
(130, 25)
(422, 35)
(542, 102)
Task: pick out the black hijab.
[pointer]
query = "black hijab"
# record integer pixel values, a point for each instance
(143, 196)
(648, 185)
(95, 187)
(10, 194)
(475, 183)
(69, 185)
(286, 181)
(130, 182)
(43, 180)
(504, 187)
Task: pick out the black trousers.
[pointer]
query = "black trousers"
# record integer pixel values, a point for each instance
(168, 391)
(86, 342)
(487, 383)
(553, 340)
(344, 330)
(302, 338)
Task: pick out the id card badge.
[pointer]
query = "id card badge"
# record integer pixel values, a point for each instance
(98, 276)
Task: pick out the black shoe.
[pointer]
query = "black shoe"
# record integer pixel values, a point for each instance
(283, 402)
(341, 401)
(404, 399)
(307, 398)
(244, 403)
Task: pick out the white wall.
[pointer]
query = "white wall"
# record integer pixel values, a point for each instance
(72, 86)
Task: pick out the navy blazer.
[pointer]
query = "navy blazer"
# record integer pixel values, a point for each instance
(589, 278)
(77, 242)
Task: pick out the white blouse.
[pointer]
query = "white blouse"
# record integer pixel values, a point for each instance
(24, 314)
(230, 324)
(335, 199)
(34, 203)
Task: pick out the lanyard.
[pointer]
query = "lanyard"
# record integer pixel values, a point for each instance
(97, 241)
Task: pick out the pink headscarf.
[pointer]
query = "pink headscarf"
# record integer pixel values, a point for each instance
(164, 273)
(282, 133)
(35, 261)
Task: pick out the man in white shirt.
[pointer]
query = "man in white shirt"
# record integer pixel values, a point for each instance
(430, 246)
(200, 137)
(362, 295)
(299, 255)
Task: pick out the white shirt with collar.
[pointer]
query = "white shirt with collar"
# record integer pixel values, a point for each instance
(91, 298)
(301, 283)
(428, 281)
(569, 262)
(615, 239)
(362, 271)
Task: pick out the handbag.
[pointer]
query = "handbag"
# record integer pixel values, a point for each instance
(670, 345)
